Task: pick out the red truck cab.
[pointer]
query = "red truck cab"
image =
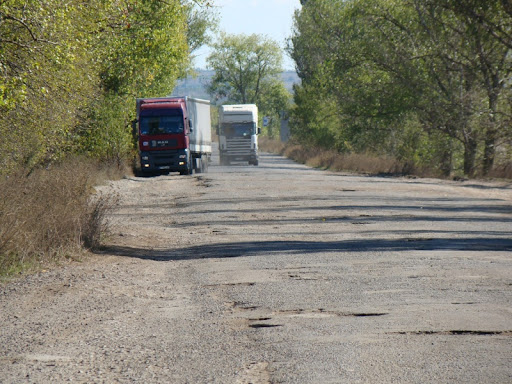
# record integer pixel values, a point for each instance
(163, 135)
(173, 134)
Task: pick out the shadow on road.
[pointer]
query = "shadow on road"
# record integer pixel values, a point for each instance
(226, 250)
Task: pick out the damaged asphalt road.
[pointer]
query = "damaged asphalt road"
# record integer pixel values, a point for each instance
(276, 274)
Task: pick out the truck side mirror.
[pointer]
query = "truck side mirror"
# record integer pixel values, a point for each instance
(134, 127)
(259, 130)
(190, 126)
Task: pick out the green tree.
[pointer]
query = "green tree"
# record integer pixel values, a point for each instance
(486, 24)
(247, 71)
(141, 51)
(465, 45)
(46, 76)
(69, 86)
(406, 77)
(361, 104)
(201, 19)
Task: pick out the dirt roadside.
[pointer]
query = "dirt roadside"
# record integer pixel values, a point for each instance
(276, 274)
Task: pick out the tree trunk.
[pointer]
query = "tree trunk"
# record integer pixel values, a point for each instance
(470, 146)
(445, 165)
(490, 135)
(489, 150)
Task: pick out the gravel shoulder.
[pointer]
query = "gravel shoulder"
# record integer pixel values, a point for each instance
(276, 274)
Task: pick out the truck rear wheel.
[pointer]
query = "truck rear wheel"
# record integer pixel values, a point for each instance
(203, 164)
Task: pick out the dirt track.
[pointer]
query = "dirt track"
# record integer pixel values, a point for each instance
(277, 274)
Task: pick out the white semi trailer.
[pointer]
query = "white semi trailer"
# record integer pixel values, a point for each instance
(238, 133)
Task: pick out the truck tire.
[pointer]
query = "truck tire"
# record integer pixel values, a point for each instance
(203, 164)
(186, 172)
(190, 168)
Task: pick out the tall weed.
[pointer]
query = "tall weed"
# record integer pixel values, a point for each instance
(335, 161)
(50, 213)
(362, 163)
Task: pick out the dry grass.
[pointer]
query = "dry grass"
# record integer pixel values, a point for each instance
(362, 163)
(502, 171)
(51, 214)
(335, 161)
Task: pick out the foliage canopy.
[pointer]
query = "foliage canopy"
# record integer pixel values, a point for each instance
(247, 71)
(69, 72)
(427, 82)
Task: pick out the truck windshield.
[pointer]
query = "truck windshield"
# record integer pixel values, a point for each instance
(238, 129)
(157, 125)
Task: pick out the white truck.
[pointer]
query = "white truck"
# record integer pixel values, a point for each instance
(238, 133)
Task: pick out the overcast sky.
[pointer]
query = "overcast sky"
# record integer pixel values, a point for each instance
(267, 17)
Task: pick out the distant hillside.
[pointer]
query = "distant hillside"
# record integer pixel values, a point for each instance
(196, 86)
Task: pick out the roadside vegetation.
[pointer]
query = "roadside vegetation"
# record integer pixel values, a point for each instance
(53, 214)
(424, 82)
(333, 160)
(67, 97)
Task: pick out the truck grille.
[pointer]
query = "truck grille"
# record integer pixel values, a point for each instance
(165, 157)
(238, 145)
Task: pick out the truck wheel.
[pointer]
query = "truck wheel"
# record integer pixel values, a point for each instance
(186, 172)
(190, 168)
(200, 169)
(204, 164)
(198, 164)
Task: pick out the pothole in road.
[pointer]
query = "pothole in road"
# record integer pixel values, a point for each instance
(241, 284)
(258, 323)
(204, 182)
(263, 325)
(322, 313)
(457, 332)
(239, 305)
(301, 277)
